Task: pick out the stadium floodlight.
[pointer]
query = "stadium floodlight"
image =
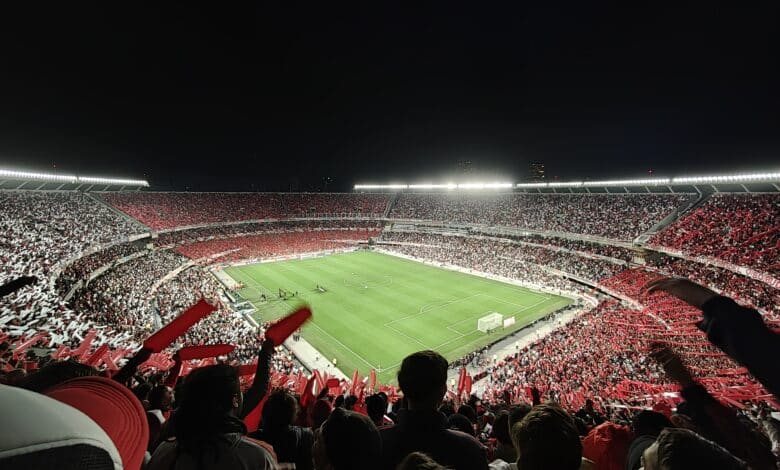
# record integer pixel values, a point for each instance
(738, 178)
(112, 181)
(60, 178)
(433, 186)
(772, 177)
(381, 186)
(29, 175)
(644, 182)
(567, 184)
(484, 185)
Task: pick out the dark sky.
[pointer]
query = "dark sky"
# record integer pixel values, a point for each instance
(256, 96)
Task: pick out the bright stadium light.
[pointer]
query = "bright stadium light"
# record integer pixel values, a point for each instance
(59, 178)
(484, 185)
(739, 178)
(567, 184)
(766, 177)
(645, 182)
(112, 181)
(29, 175)
(381, 186)
(433, 186)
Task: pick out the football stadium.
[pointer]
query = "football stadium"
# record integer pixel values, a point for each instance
(403, 236)
(432, 308)
(512, 302)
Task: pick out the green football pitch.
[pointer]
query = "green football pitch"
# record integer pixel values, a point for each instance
(376, 308)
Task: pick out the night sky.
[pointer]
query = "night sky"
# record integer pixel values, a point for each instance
(259, 97)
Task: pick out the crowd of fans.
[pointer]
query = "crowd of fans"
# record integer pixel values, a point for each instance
(524, 262)
(39, 233)
(608, 367)
(224, 326)
(743, 229)
(122, 297)
(615, 216)
(181, 237)
(271, 244)
(39, 230)
(619, 389)
(82, 267)
(745, 289)
(160, 211)
(592, 248)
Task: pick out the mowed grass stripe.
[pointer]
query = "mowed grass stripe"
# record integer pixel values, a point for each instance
(380, 308)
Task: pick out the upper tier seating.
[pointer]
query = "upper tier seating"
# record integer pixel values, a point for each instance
(161, 211)
(615, 216)
(743, 229)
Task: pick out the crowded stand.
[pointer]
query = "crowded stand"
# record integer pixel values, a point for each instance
(744, 289)
(86, 265)
(181, 237)
(272, 244)
(615, 216)
(122, 296)
(160, 211)
(743, 229)
(223, 326)
(670, 371)
(42, 229)
(591, 395)
(41, 232)
(586, 247)
(524, 262)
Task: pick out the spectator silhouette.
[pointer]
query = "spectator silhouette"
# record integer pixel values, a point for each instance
(420, 426)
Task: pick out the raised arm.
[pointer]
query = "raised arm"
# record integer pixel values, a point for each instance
(259, 387)
(738, 331)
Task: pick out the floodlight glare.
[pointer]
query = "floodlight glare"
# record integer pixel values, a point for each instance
(58, 178)
(645, 182)
(484, 185)
(28, 175)
(433, 186)
(381, 186)
(772, 177)
(112, 181)
(739, 178)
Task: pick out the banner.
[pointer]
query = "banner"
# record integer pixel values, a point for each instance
(206, 350)
(168, 334)
(95, 359)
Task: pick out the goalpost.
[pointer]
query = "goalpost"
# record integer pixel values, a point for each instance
(490, 322)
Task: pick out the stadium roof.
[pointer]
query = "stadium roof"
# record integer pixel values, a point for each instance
(771, 177)
(23, 179)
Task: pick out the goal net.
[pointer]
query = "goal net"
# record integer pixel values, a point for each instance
(490, 322)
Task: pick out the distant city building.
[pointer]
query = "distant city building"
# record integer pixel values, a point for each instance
(536, 172)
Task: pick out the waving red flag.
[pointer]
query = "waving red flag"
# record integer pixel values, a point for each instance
(206, 350)
(320, 379)
(461, 380)
(308, 393)
(168, 334)
(85, 345)
(467, 384)
(94, 359)
(247, 369)
(22, 347)
(354, 385)
(281, 330)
